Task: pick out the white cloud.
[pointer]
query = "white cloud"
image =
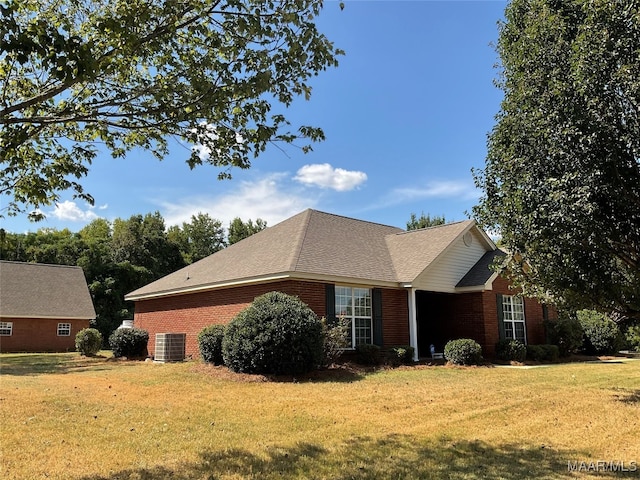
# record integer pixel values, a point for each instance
(438, 189)
(265, 199)
(70, 211)
(325, 176)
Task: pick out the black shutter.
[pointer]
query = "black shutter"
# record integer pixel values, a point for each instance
(500, 317)
(330, 303)
(377, 316)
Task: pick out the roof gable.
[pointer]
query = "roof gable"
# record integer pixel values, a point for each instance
(35, 290)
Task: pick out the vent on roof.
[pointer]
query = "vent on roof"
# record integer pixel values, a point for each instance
(170, 347)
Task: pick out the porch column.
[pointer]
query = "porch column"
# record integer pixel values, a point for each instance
(413, 324)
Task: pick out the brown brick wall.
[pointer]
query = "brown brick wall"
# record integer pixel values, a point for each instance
(191, 313)
(40, 335)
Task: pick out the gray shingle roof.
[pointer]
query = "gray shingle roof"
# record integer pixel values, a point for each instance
(315, 245)
(481, 272)
(36, 290)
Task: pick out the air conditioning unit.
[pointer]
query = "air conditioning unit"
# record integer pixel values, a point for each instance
(170, 347)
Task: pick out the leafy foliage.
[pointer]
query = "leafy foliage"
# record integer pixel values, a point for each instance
(424, 221)
(566, 333)
(543, 353)
(402, 355)
(463, 351)
(129, 342)
(511, 350)
(88, 341)
(368, 354)
(239, 230)
(201, 237)
(601, 334)
(632, 337)
(562, 176)
(277, 334)
(335, 338)
(210, 344)
(133, 73)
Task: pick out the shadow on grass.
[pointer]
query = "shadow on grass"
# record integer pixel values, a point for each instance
(38, 364)
(394, 456)
(628, 396)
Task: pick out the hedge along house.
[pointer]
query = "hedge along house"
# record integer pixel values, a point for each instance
(42, 307)
(394, 287)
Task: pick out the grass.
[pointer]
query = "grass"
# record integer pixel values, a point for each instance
(70, 417)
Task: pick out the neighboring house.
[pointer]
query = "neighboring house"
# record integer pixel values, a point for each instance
(42, 307)
(395, 287)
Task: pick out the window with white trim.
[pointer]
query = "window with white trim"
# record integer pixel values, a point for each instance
(354, 305)
(64, 329)
(6, 329)
(513, 318)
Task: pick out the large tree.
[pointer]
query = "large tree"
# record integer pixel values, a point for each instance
(424, 221)
(562, 176)
(134, 73)
(239, 230)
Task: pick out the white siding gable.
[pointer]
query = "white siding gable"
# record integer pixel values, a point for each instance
(453, 264)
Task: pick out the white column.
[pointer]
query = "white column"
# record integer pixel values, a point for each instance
(413, 324)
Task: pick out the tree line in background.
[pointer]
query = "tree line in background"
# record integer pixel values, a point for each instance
(118, 257)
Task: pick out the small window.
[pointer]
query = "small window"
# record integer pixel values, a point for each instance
(6, 329)
(64, 329)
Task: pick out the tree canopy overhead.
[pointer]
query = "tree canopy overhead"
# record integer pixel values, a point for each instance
(134, 73)
(562, 176)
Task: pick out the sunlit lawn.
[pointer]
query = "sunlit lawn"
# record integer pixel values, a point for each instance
(69, 417)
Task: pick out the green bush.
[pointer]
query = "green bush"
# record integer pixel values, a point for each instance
(402, 355)
(129, 342)
(463, 351)
(543, 353)
(88, 341)
(277, 334)
(335, 338)
(511, 350)
(601, 334)
(632, 337)
(210, 344)
(368, 354)
(566, 333)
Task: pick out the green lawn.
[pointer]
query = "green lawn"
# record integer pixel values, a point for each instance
(69, 417)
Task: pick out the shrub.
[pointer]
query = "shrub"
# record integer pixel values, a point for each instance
(566, 333)
(402, 355)
(368, 354)
(277, 333)
(129, 342)
(601, 334)
(335, 338)
(88, 341)
(543, 353)
(463, 351)
(210, 344)
(511, 350)
(632, 336)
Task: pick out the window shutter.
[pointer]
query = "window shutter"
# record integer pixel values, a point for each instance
(330, 303)
(500, 317)
(377, 316)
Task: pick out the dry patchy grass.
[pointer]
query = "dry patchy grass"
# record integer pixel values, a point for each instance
(69, 417)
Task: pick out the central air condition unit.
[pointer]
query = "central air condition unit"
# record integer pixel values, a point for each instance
(170, 347)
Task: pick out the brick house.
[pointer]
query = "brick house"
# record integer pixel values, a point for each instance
(418, 288)
(42, 307)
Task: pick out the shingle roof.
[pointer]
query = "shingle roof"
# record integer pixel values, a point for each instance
(481, 272)
(316, 245)
(36, 290)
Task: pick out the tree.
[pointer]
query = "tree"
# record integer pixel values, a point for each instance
(134, 73)
(199, 238)
(424, 221)
(239, 230)
(562, 176)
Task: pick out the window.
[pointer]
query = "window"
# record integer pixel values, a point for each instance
(6, 329)
(354, 304)
(513, 318)
(64, 329)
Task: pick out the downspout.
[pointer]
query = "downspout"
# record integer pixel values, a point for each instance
(413, 324)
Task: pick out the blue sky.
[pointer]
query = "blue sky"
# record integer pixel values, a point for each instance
(406, 116)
